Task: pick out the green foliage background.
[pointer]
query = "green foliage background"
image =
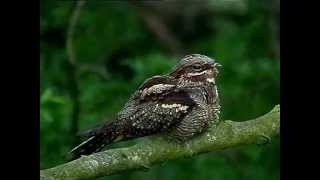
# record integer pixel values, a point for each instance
(112, 37)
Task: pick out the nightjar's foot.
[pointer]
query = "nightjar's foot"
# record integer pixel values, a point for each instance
(263, 140)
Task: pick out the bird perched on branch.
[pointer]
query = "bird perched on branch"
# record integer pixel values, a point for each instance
(180, 104)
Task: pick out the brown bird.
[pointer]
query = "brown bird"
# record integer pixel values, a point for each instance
(180, 104)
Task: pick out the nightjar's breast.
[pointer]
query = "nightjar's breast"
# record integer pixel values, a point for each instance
(203, 115)
(211, 95)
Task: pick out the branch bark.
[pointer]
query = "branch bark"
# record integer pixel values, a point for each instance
(156, 149)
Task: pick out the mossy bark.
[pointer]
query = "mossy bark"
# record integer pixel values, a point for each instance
(157, 149)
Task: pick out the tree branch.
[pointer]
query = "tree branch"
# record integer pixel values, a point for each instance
(156, 149)
(72, 59)
(72, 73)
(159, 28)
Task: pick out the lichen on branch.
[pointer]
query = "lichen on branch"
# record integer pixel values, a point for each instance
(157, 149)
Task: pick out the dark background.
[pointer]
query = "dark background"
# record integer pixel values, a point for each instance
(117, 44)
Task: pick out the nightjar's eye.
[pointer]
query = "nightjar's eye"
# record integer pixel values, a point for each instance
(197, 67)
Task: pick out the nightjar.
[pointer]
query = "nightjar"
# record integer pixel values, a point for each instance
(180, 104)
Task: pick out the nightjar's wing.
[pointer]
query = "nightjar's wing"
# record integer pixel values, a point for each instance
(131, 107)
(156, 107)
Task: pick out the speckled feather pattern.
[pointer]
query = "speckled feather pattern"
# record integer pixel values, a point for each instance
(180, 104)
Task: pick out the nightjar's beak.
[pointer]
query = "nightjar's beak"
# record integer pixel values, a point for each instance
(217, 65)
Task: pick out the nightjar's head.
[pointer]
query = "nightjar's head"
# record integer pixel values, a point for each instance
(196, 68)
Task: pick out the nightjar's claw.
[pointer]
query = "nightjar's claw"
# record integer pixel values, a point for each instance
(146, 167)
(263, 140)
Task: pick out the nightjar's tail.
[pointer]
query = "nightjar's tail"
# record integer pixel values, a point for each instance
(97, 139)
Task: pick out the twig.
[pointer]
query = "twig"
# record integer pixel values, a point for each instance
(71, 31)
(72, 73)
(97, 69)
(158, 27)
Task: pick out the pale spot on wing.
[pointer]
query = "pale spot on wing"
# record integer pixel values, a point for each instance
(178, 107)
(170, 105)
(156, 89)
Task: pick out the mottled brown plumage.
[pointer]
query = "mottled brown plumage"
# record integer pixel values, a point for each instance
(180, 104)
